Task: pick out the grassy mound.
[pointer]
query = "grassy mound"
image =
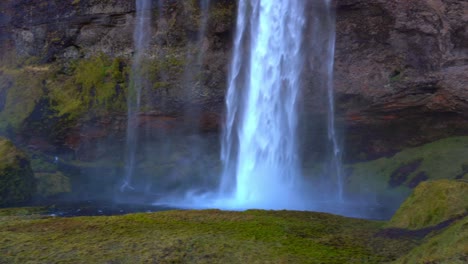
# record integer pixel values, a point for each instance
(209, 236)
(432, 203)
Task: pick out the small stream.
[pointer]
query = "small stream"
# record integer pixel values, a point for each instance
(101, 208)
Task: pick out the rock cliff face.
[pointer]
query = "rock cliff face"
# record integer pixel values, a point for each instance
(71, 60)
(401, 69)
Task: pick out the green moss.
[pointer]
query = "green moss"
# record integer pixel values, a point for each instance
(17, 184)
(442, 159)
(23, 89)
(95, 85)
(40, 164)
(223, 13)
(173, 63)
(431, 203)
(50, 184)
(21, 211)
(210, 236)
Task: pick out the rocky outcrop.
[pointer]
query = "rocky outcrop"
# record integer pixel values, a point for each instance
(17, 183)
(449, 202)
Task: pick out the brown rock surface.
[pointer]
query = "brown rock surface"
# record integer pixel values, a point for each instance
(402, 70)
(401, 67)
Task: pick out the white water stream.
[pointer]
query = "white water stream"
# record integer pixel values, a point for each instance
(141, 38)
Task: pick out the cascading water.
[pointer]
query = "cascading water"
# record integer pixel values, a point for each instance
(335, 159)
(260, 146)
(260, 152)
(260, 141)
(141, 41)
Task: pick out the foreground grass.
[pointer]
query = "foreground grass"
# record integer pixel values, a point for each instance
(430, 227)
(209, 236)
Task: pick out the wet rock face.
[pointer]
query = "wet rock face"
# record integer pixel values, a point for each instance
(71, 33)
(401, 70)
(401, 67)
(53, 29)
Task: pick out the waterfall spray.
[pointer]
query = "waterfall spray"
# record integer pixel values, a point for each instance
(336, 169)
(141, 39)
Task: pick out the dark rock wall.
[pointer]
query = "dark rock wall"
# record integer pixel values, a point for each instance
(401, 67)
(402, 71)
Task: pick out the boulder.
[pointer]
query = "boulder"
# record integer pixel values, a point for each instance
(17, 183)
(432, 203)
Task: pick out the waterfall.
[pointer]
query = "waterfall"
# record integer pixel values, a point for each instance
(141, 38)
(322, 50)
(260, 151)
(278, 47)
(336, 168)
(260, 141)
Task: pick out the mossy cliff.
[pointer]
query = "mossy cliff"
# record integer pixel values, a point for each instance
(58, 80)
(401, 70)
(253, 236)
(389, 180)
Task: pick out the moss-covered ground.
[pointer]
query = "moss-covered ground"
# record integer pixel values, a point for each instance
(210, 236)
(214, 236)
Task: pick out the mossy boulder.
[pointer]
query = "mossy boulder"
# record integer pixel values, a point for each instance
(389, 180)
(51, 184)
(17, 183)
(432, 203)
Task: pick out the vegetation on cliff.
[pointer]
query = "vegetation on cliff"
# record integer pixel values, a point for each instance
(93, 86)
(392, 178)
(432, 203)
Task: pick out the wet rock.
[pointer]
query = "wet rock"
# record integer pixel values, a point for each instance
(400, 67)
